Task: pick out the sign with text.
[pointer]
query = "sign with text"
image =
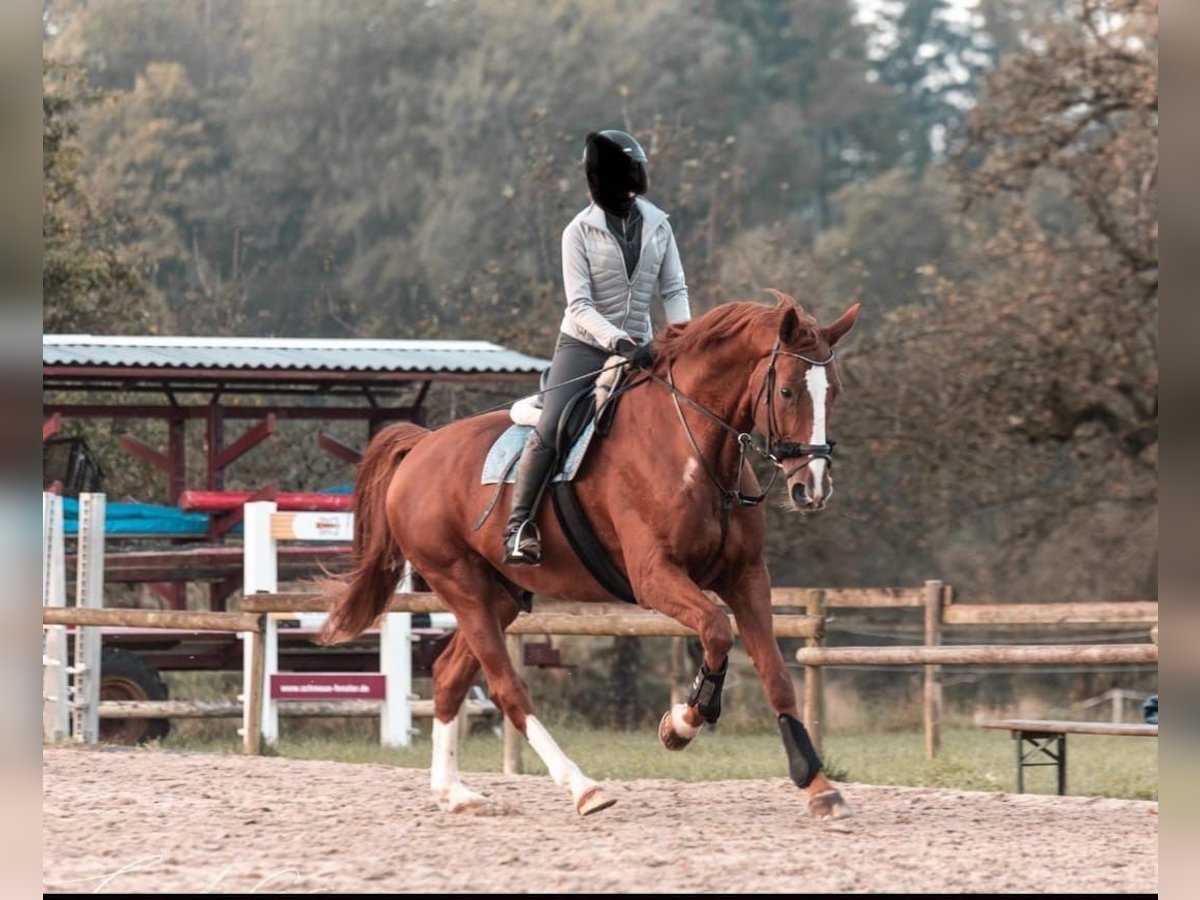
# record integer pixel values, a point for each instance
(328, 686)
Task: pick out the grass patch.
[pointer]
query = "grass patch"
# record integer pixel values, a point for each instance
(969, 759)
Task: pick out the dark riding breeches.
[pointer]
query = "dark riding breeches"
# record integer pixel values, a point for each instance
(572, 359)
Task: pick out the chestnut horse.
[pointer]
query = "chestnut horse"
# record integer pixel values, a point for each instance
(665, 495)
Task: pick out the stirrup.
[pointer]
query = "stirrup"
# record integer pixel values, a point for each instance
(523, 547)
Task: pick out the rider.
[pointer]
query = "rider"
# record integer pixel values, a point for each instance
(613, 253)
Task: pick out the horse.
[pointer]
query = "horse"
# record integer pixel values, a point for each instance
(673, 500)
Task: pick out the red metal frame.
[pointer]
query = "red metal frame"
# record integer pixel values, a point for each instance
(334, 447)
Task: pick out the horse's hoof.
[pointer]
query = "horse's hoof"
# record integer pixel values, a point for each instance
(464, 802)
(670, 738)
(592, 801)
(828, 805)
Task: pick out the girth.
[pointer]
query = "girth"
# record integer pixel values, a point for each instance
(571, 516)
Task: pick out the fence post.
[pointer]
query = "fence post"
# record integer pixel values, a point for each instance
(512, 737)
(56, 711)
(933, 674)
(814, 693)
(260, 575)
(89, 592)
(252, 713)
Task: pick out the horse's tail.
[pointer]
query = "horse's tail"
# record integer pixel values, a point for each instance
(360, 596)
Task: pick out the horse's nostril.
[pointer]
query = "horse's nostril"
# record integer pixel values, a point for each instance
(798, 496)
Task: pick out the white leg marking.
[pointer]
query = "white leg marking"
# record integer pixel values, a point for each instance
(449, 792)
(679, 723)
(818, 390)
(562, 770)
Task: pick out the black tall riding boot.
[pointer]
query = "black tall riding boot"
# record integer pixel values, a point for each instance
(522, 543)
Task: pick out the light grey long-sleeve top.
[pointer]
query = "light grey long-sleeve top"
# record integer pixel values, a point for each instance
(604, 303)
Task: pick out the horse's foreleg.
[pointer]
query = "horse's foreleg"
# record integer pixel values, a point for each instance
(750, 600)
(672, 592)
(453, 672)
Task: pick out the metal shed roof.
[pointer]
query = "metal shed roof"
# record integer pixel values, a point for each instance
(81, 351)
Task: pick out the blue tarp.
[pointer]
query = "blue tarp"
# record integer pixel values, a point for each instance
(140, 518)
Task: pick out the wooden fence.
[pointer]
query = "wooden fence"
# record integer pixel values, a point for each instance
(936, 600)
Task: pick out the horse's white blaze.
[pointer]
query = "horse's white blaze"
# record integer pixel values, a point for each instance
(818, 391)
(680, 724)
(562, 770)
(448, 790)
(689, 474)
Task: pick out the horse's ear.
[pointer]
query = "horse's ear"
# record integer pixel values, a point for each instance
(790, 327)
(837, 330)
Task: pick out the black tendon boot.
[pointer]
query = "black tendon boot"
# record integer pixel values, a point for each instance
(522, 543)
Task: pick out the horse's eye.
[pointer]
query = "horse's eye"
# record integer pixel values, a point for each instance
(785, 392)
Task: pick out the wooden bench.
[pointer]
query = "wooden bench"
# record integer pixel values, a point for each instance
(1048, 738)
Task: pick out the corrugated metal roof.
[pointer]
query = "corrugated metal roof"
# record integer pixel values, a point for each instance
(284, 354)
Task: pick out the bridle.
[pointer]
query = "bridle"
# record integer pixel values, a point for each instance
(777, 451)
(784, 450)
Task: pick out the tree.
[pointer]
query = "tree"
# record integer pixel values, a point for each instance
(1016, 402)
(91, 280)
(935, 64)
(162, 149)
(1073, 131)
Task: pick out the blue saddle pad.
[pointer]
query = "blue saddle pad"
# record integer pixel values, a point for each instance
(499, 462)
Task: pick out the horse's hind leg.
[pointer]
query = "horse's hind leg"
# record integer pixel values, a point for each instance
(470, 590)
(453, 672)
(750, 599)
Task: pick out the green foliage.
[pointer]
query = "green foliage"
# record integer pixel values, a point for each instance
(91, 281)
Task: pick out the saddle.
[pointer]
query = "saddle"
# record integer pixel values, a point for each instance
(586, 418)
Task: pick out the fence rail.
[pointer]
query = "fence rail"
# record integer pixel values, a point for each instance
(963, 654)
(550, 617)
(178, 620)
(1084, 613)
(209, 709)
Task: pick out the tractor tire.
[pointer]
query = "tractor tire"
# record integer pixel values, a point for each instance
(124, 676)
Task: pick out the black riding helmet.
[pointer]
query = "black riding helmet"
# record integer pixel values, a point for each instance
(615, 165)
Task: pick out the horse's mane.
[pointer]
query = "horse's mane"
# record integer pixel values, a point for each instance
(731, 321)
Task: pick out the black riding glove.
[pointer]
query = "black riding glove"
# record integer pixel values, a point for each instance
(640, 356)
